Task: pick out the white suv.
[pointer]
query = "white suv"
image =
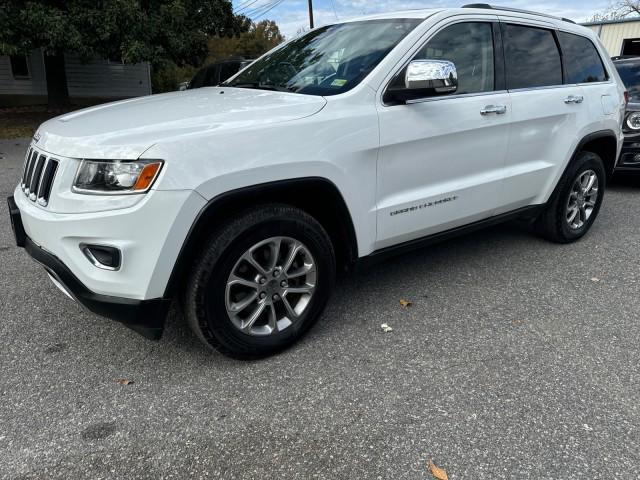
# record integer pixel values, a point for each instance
(350, 142)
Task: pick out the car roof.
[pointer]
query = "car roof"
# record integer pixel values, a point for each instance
(417, 13)
(476, 9)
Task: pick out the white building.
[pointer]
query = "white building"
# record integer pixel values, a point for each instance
(23, 81)
(620, 37)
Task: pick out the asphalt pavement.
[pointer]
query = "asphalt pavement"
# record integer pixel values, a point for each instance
(517, 359)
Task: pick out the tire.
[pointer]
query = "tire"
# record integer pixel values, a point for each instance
(557, 222)
(245, 247)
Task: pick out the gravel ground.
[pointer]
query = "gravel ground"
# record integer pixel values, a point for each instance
(517, 359)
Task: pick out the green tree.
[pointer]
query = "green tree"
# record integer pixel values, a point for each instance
(259, 38)
(157, 31)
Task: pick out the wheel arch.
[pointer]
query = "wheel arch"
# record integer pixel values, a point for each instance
(604, 143)
(317, 196)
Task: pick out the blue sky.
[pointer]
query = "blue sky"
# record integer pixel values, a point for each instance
(291, 15)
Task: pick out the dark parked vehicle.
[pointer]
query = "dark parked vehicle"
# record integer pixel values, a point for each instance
(629, 70)
(216, 73)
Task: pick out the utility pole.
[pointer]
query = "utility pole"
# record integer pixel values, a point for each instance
(311, 14)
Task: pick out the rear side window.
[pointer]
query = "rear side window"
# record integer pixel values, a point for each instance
(582, 62)
(532, 57)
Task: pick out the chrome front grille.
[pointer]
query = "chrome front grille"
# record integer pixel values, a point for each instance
(37, 176)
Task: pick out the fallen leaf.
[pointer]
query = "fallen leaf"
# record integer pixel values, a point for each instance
(595, 279)
(405, 303)
(439, 473)
(386, 328)
(125, 381)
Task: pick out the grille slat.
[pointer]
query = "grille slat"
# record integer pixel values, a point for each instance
(35, 177)
(27, 158)
(44, 192)
(38, 176)
(44, 169)
(29, 170)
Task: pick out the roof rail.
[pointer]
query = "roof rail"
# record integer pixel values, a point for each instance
(516, 10)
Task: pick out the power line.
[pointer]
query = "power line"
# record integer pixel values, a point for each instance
(269, 7)
(259, 9)
(245, 4)
(333, 4)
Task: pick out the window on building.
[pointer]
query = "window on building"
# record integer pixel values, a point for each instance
(631, 47)
(532, 57)
(582, 62)
(20, 66)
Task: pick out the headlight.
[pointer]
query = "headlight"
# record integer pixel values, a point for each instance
(633, 121)
(116, 176)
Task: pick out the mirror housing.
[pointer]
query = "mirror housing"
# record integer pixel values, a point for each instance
(425, 78)
(439, 75)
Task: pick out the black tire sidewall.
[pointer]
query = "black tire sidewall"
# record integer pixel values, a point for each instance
(211, 295)
(585, 161)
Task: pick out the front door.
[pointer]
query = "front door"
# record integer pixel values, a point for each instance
(441, 159)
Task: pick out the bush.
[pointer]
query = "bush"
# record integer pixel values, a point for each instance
(167, 76)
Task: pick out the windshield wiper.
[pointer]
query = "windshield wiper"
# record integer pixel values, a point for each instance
(259, 86)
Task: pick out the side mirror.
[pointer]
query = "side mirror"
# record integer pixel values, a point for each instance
(424, 78)
(439, 75)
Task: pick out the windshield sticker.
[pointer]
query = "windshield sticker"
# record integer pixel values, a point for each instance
(339, 82)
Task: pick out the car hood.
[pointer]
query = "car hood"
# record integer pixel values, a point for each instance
(125, 129)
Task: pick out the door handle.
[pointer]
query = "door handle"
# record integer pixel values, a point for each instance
(497, 109)
(574, 99)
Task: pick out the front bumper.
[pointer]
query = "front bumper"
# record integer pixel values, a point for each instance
(630, 155)
(144, 316)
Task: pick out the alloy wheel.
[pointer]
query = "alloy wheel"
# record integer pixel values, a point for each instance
(582, 199)
(270, 286)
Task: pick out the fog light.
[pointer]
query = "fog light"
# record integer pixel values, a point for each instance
(102, 256)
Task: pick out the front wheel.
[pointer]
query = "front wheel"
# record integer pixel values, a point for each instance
(261, 282)
(576, 202)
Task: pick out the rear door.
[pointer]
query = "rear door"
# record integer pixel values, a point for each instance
(548, 113)
(584, 67)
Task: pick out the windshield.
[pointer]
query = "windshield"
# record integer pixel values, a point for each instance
(328, 60)
(630, 74)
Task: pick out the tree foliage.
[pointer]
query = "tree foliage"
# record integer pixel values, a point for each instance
(132, 30)
(162, 32)
(617, 10)
(258, 39)
(254, 41)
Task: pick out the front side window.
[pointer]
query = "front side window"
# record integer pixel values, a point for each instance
(582, 62)
(328, 60)
(470, 47)
(532, 57)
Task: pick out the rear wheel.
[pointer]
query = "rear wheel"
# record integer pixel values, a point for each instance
(261, 282)
(577, 200)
